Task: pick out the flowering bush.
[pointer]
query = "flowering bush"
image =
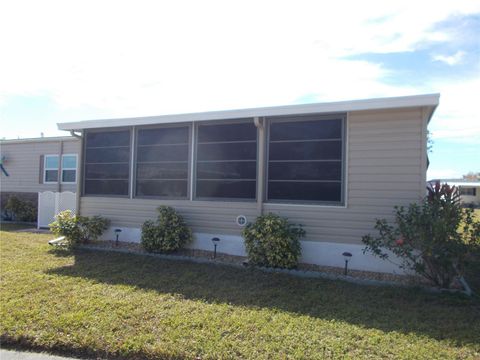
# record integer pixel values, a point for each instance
(435, 238)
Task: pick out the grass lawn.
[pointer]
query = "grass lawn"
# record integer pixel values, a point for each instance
(473, 269)
(476, 212)
(118, 305)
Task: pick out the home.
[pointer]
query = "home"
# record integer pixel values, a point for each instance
(469, 189)
(34, 166)
(332, 167)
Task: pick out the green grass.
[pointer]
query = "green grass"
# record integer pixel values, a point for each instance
(118, 305)
(472, 271)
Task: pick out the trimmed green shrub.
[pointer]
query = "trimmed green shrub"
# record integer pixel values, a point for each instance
(78, 228)
(66, 224)
(168, 233)
(272, 241)
(91, 228)
(435, 238)
(21, 210)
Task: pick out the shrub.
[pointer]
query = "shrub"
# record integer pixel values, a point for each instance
(272, 241)
(21, 210)
(66, 224)
(168, 233)
(91, 228)
(435, 238)
(78, 228)
(472, 205)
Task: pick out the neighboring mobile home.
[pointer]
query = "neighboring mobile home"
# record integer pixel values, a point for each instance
(333, 167)
(469, 190)
(40, 164)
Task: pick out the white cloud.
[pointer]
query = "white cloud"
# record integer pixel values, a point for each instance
(450, 60)
(148, 57)
(457, 117)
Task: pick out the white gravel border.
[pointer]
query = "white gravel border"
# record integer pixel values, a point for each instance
(292, 272)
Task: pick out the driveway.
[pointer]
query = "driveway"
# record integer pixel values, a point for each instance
(20, 355)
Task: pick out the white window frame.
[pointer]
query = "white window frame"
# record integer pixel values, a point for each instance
(45, 168)
(68, 168)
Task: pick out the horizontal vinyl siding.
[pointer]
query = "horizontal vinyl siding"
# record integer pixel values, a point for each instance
(71, 147)
(384, 169)
(203, 216)
(23, 165)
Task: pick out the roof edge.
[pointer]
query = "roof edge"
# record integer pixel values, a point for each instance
(38, 139)
(327, 107)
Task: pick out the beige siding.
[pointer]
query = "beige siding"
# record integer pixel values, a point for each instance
(23, 164)
(71, 147)
(470, 198)
(202, 216)
(385, 167)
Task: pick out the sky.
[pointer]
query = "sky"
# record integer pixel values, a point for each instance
(66, 61)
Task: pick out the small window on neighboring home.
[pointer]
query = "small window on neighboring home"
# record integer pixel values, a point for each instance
(469, 191)
(50, 169)
(69, 168)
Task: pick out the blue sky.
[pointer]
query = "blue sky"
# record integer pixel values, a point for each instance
(68, 61)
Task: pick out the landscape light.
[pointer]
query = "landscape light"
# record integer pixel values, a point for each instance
(117, 233)
(215, 240)
(346, 256)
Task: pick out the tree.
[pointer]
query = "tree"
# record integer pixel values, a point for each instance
(429, 142)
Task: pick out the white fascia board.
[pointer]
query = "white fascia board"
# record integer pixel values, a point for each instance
(39, 139)
(429, 100)
(464, 183)
(456, 182)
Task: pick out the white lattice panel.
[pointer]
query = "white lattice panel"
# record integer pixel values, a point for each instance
(51, 203)
(67, 200)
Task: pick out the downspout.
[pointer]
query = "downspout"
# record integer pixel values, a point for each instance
(259, 123)
(59, 179)
(72, 133)
(79, 170)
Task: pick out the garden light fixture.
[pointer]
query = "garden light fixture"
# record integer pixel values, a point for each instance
(215, 240)
(117, 233)
(346, 256)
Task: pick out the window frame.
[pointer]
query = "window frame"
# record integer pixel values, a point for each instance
(84, 162)
(189, 161)
(76, 169)
(343, 117)
(195, 153)
(464, 191)
(45, 168)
